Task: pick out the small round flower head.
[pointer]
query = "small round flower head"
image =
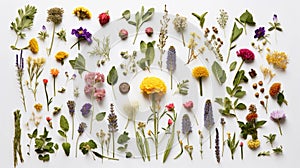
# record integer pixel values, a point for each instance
(245, 54)
(55, 15)
(171, 59)
(200, 71)
(60, 56)
(54, 72)
(45, 81)
(253, 143)
(38, 107)
(170, 107)
(180, 23)
(170, 122)
(278, 59)
(123, 34)
(277, 115)
(34, 46)
(149, 31)
(274, 89)
(85, 110)
(152, 85)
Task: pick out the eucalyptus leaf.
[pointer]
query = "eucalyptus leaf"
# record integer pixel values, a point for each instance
(64, 125)
(112, 77)
(232, 66)
(140, 145)
(66, 146)
(78, 64)
(219, 73)
(100, 116)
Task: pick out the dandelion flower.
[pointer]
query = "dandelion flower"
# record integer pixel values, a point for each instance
(199, 72)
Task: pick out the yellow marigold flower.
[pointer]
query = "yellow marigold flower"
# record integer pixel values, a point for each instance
(54, 72)
(200, 71)
(253, 144)
(60, 56)
(82, 13)
(38, 107)
(152, 85)
(34, 46)
(278, 59)
(274, 89)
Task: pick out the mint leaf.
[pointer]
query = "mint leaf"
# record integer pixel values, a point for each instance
(64, 125)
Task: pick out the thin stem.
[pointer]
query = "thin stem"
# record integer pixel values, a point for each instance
(17, 39)
(242, 153)
(209, 140)
(76, 145)
(46, 97)
(278, 122)
(72, 127)
(52, 40)
(228, 55)
(171, 79)
(54, 88)
(20, 75)
(240, 66)
(195, 118)
(112, 87)
(223, 141)
(135, 36)
(182, 36)
(92, 117)
(155, 125)
(200, 85)
(113, 138)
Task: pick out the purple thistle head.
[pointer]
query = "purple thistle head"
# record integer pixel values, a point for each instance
(208, 115)
(275, 19)
(171, 59)
(260, 33)
(71, 106)
(81, 128)
(82, 34)
(186, 124)
(85, 110)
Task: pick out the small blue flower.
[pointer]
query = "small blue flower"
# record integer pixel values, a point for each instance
(86, 108)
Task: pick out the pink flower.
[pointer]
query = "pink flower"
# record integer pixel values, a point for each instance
(170, 122)
(241, 144)
(245, 54)
(99, 94)
(99, 77)
(188, 105)
(48, 119)
(170, 107)
(88, 89)
(277, 115)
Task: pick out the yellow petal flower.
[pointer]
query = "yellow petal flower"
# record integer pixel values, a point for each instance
(152, 85)
(34, 46)
(200, 71)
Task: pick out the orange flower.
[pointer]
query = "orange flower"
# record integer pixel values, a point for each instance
(274, 89)
(54, 72)
(251, 117)
(34, 46)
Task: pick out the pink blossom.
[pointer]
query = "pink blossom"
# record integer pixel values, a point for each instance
(88, 89)
(245, 54)
(170, 107)
(277, 115)
(188, 105)
(170, 122)
(99, 94)
(99, 77)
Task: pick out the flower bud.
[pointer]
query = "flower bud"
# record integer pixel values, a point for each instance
(149, 31)
(103, 18)
(123, 34)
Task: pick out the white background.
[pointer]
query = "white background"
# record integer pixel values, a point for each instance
(262, 11)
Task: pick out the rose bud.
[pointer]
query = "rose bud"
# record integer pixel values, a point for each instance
(149, 31)
(104, 18)
(123, 34)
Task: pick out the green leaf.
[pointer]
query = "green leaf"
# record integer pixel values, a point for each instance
(236, 32)
(169, 145)
(240, 94)
(123, 138)
(260, 123)
(132, 23)
(147, 148)
(143, 46)
(56, 146)
(66, 146)
(278, 150)
(121, 149)
(241, 106)
(229, 90)
(44, 158)
(142, 64)
(218, 72)
(247, 18)
(39, 143)
(201, 18)
(128, 155)
(219, 101)
(280, 98)
(112, 77)
(265, 153)
(92, 144)
(78, 64)
(140, 145)
(64, 124)
(239, 76)
(100, 116)
(62, 133)
(126, 14)
(232, 66)
(147, 16)
(150, 53)
(33, 135)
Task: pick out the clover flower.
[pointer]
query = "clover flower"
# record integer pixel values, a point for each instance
(86, 109)
(82, 13)
(278, 58)
(60, 56)
(99, 94)
(199, 72)
(82, 35)
(34, 46)
(180, 24)
(245, 54)
(277, 116)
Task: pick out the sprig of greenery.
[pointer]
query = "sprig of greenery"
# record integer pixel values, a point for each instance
(235, 34)
(129, 65)
(277, 150)
(148, 50)
(219, 73)
(101, 49)
(232, 144)
(270, 138)
(172, 136)
(64, 125)
(201, 18)
(23, 21)
(78, 64)
(62, 35)
(140, 19)
(123, 140)
(183, 87)
(17, 138)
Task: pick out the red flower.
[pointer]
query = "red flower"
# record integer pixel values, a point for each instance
(170, 107)
(245, 54)
(149, 31)
(48, 119)
(45, 81)
(104, 18)
(170, 122)
(241, 144)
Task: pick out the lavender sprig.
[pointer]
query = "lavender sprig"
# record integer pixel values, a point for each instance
(81, 129)
(171, 62)
(208, 118)
(112, 125)
(71, 106)
(20, 72)
(186, 126)
(217, 147)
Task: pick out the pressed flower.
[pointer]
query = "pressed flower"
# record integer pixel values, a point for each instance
(86, 109)
(99, 94)
(20, 73)
(34, 46)
(60, 56)
(199, 72)
(186, 127)
(260, 33)
(192, 55)
(123, 34)
(242, 151)
(82, 13)
(54, 72)
(267, 72)
(104, 18)
(278, 58)
(253, 143)
(81, 129)
(180, 24)
(278, 116)
(49, 120)
(217, 146)
(151, 85)
(170, 107)
(149, 31)
(112, 125)
(131, 110)
(45, 81)
(38, 107)
(245, 54)
(275, 89)
(171, 62)
(208, 118)
(82, 35)
(71, 106)
(43, 34)
(188, 105)
(251, 117)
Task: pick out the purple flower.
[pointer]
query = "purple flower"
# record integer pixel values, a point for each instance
(82, 34)
(260, 33)
(186, 124)
(86, 108)
(81, 128)
(71, 106)
(208, 115)
(275, 19)
(112, 120)
(44, 28)
(171, 59)
(277, 115)
(245, 54)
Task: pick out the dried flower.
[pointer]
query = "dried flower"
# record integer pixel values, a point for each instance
(201, 143)
(81, 129)
(82, 35)
(151, 85)
(112, 125)
(208, 118)
(260, 33)
(49, 120)
(43, 34)
(275, 25)
(188, 105)
(253, 144)
(45, 81)
(278, 116)
(278, 59)
(20, 73)
(275, 89)
(171, 63)
(54, 72)
(86, 109)
(251, 117)
(217, 146)
(34, 46)
(192, 55)
(182, 87)
(223, 134)
(149, 31)
(71, 106)
(242, 151)
(38, 107)
(245, 54)
(170, 107)
(60, 56)
(54, 16)
(232, 144)
(82, 13)
(104, 18)
(123, 34)
(199, 72)
(222, 20)
(186, 127)
(180, 24)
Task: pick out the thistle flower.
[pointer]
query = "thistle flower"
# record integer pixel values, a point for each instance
(208, 118)
(82, 13)
(81, 129)
(54, 16)
(217, 146)
(278, 116)
(186, 126)
(275, 89)
(112, 125)
(199, 72)
(86, 109)
(180, 24)
(171, 62)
